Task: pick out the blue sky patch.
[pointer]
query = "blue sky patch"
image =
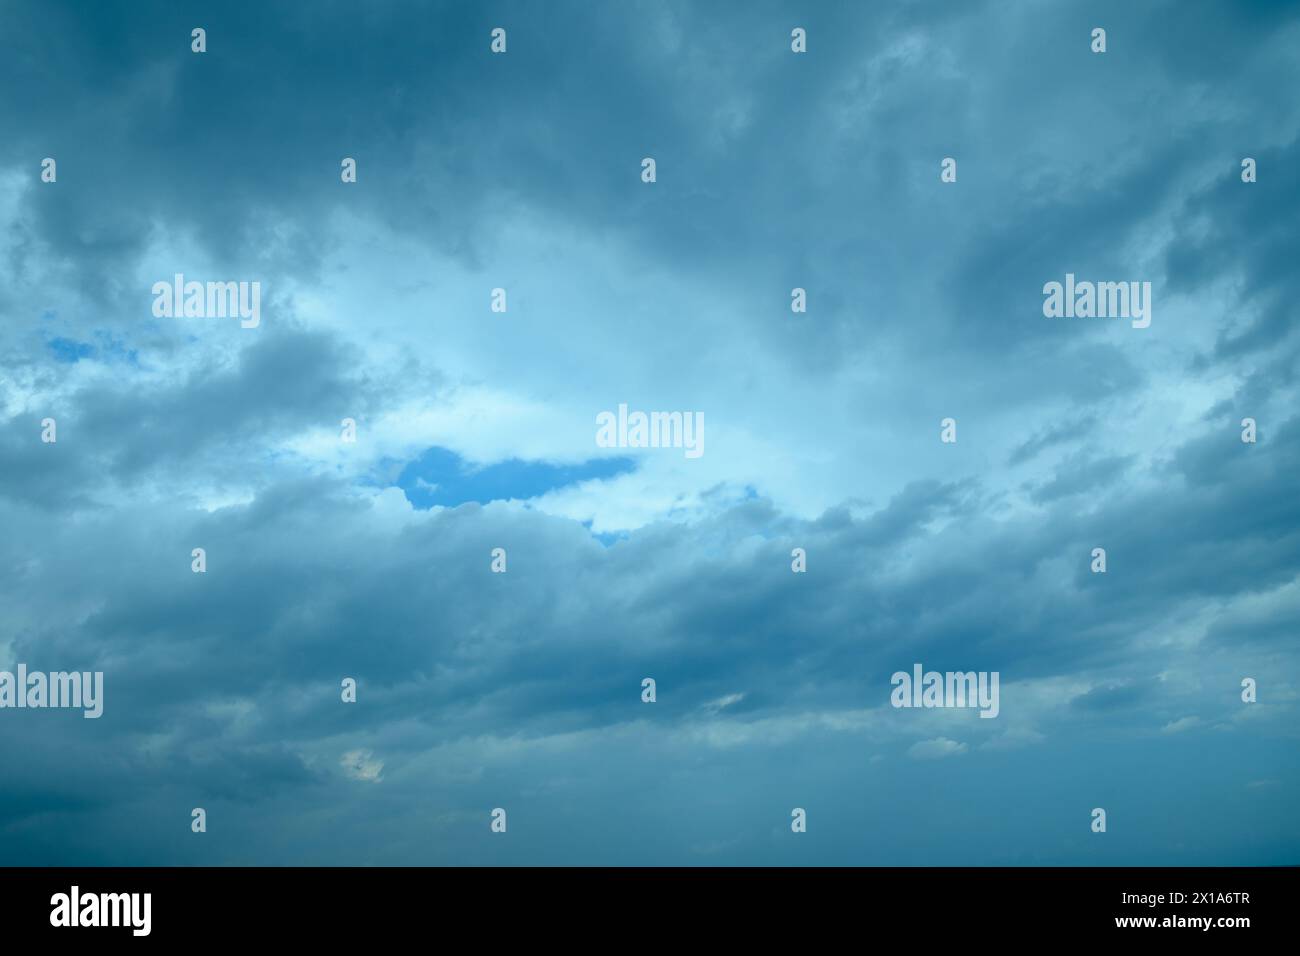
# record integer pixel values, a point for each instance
(443, 478)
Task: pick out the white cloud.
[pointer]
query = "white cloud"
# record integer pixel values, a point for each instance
(362, 765)
(1179, 725)
(935, 749)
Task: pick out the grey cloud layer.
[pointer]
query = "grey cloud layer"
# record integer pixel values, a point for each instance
(522, 689)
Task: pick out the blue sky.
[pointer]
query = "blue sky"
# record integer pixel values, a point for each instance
(441, 478)
(476, 430)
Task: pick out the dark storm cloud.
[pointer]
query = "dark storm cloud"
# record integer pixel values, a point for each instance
(218, 421)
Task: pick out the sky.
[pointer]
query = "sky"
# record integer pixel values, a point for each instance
(476, 430)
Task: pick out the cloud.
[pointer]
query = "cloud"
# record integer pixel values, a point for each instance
(362, 765)
(475, 431)
(935, 749)
(1180, 725)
